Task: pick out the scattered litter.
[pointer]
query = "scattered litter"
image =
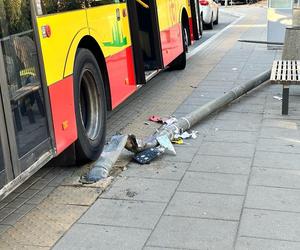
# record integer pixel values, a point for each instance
(279, 98)
(178, 141)
(100, 169)
(216, 129)
(170, 121)
(146, 123)
(130, 193)
(164, 141)
(234, 69)
(155, 118)
(194, 87)
(158, 119)
(136, 145)
(148, 155)
(187, 135)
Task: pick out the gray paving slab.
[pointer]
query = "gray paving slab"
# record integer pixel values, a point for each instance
(275, 177)
(29, 193)
(271, 198)
(185, 154)
(280, 133)
(157, 170)
(193, 233)
(85, 236)
(207, 94)
(41, 195)
(12, 218)
(241, 125)
(213, 206)
(270, 224)
(276, 160)
(223, 76)
(232, 136)
(211, 88)
(227, 149)
(216, 82)
(3, 228)
(276, 114)
(195, 101)
(214, 183)
(221, 164)
(5, 212)
(250, 100)
(280, 123)
(283, 145)
(161, 248)
(247, 243)
(236, 116)
(16, 203)
(246, 108)
(139, 214)
(132, 188)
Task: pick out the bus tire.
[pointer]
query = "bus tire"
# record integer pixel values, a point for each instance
(90, 107)
(180, 62)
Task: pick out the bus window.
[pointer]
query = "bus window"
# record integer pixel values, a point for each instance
(22, 74)
(93, 3)
(56, 6)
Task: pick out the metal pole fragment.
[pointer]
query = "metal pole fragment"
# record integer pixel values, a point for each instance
(188, 121)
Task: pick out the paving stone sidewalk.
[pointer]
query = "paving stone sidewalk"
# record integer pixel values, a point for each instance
(237, 186)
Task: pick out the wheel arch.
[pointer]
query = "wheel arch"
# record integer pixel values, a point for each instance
(88, 42)
(83, 39)
(184, 19)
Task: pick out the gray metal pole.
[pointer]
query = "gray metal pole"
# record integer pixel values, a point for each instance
(188, 121)
(202, 112)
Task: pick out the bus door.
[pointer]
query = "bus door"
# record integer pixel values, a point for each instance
(6, 173)
(21, 87)
(108, 21)
(145, 35)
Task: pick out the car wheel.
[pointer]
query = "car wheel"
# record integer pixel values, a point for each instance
(210, 26)
(90, 107)
(217, 19)
(201, 24)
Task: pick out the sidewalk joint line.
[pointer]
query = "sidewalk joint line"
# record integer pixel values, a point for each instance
(203, 192)
(200, 218)
(267, 238)
(211, 172)
(273, 210)
(117, 226)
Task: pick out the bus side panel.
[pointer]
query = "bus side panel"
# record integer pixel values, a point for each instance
(171, 41)
(109, 26)
(170, 29)
(55, 49)
(117, 66)
(63, 113)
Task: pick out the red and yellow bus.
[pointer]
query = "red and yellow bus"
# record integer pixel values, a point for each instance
(65, 63)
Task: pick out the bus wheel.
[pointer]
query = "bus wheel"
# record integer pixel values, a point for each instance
(90, 107)
(180, 62)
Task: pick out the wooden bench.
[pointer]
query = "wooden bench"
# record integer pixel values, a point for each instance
(285, 72)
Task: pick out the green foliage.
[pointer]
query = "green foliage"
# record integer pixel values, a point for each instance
(14, 17)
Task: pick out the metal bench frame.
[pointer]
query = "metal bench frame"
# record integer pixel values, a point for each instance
(285, 72)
